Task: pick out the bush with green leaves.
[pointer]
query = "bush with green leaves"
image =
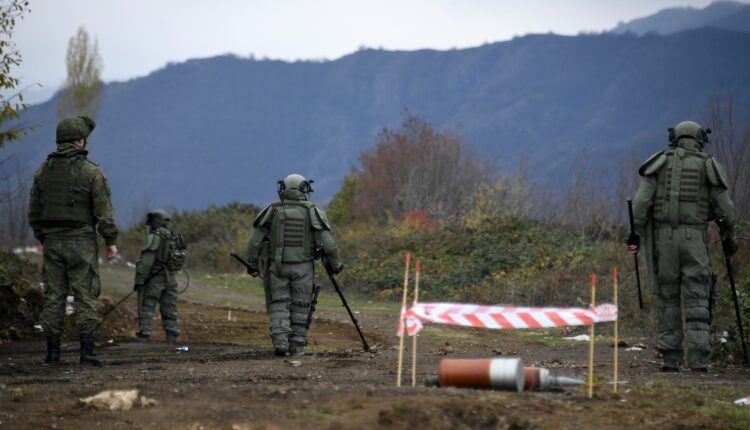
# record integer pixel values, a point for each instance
(210, 235)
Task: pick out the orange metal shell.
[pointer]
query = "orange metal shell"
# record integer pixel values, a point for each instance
(465, 373)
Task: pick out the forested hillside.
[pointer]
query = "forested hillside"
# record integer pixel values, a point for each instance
(222, 129)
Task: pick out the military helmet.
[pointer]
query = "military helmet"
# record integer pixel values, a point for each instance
(158, 213)
(689, 129)
(296, 182)
(72, 129)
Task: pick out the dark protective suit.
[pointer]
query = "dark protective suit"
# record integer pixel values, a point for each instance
(682, 189)
(285, 236)
(161, 288)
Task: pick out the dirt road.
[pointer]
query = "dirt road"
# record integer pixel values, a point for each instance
(229, 379)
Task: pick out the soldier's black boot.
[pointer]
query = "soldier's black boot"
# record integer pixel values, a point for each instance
(87, 351)
(53, 350)
(296, 349)
(279, 351)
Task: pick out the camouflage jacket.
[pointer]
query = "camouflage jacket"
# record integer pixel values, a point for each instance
(95, 183)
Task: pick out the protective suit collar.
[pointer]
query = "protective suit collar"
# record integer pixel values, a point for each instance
(689, 144)
(68, 149)
(292, 194)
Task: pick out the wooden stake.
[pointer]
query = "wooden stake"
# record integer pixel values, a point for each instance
(591, 339)
(414, 338)
(401, 324)
(617, 341)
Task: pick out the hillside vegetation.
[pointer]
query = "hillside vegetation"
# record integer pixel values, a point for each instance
(223, 129)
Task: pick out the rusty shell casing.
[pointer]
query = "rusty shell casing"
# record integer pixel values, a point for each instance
(497, 374)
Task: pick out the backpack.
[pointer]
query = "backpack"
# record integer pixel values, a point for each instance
(177, 249)
(174, 259)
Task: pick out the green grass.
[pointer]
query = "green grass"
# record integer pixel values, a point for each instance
(327, 300)
(717, 402)
(311, 413)
(434, 331)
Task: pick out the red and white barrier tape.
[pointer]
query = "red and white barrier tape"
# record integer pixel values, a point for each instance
(503, 317)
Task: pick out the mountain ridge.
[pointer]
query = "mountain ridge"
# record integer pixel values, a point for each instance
(210, 131)
(727, 15)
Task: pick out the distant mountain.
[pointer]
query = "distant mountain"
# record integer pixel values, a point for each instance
(214, 130)
(727, 15)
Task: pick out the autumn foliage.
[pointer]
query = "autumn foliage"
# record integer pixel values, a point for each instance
(417, 168)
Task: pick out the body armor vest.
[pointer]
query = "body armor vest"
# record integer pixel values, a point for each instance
(683, 189)
(291, 232)
(65, 195)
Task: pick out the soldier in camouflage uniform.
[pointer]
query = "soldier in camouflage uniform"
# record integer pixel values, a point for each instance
(282, 250)
(161, 258)
(683, 188)
(70, 201)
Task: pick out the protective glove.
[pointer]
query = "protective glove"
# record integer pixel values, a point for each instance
(634, 241)
(137, 286)
(728, 243)
(730, 246)
(253, 271)
(339, 269)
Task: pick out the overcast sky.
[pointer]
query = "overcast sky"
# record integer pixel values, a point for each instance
(138, 36)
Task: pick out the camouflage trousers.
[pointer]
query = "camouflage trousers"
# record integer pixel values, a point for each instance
(71, 265)
(161, 290)
(289, 290)
(684, 281)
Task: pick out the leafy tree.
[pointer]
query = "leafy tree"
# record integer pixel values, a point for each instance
(11, 99)
(83, 86)
(416, 167)
(340, 207)
(730, 143)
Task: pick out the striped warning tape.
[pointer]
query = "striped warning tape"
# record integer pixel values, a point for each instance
(503, 317)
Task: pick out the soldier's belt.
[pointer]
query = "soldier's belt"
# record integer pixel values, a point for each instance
(701, 227)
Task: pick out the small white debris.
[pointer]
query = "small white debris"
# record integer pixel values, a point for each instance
(70, 307)
(580, 337)
(182, 349)
(635, 348)
(116, 400)
(129, 264)
(27, 250)
(38, 327)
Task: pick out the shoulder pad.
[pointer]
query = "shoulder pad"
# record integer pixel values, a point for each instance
(653, 164)
(716, 174)
(152, 242)
(318, 219)
(303, 203)
(264, 216)
(164, 232)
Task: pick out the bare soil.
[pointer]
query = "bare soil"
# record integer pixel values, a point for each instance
(229, 379)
